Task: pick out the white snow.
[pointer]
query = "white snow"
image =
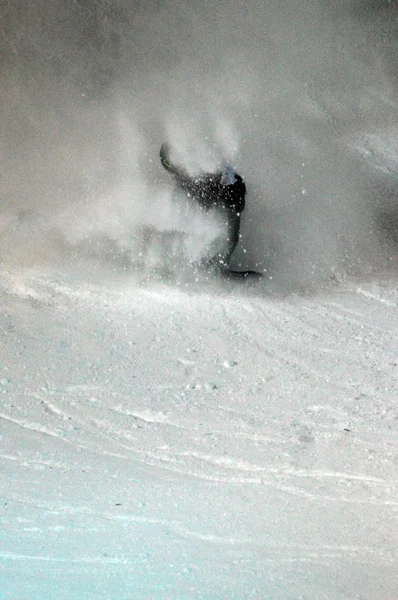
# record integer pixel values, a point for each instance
(214, 442)
(198, 439)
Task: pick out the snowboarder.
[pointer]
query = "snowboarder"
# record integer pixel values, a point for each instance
(223, 191)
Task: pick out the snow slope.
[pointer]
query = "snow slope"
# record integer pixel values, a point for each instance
(208, 440)
(221, 441)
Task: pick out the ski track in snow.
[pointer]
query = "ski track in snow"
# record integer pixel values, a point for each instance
(222, 416)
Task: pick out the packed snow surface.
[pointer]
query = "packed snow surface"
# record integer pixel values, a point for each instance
(218, 440)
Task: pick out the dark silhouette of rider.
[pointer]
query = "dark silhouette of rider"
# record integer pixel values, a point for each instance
(223, 191)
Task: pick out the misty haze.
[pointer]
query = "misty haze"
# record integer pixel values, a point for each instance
(300, 97)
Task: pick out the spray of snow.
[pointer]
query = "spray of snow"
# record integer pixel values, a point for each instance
(281, 92)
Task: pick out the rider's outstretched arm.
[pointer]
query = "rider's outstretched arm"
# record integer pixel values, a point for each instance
(178, 171)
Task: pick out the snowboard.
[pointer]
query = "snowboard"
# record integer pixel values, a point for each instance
(232, 274)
